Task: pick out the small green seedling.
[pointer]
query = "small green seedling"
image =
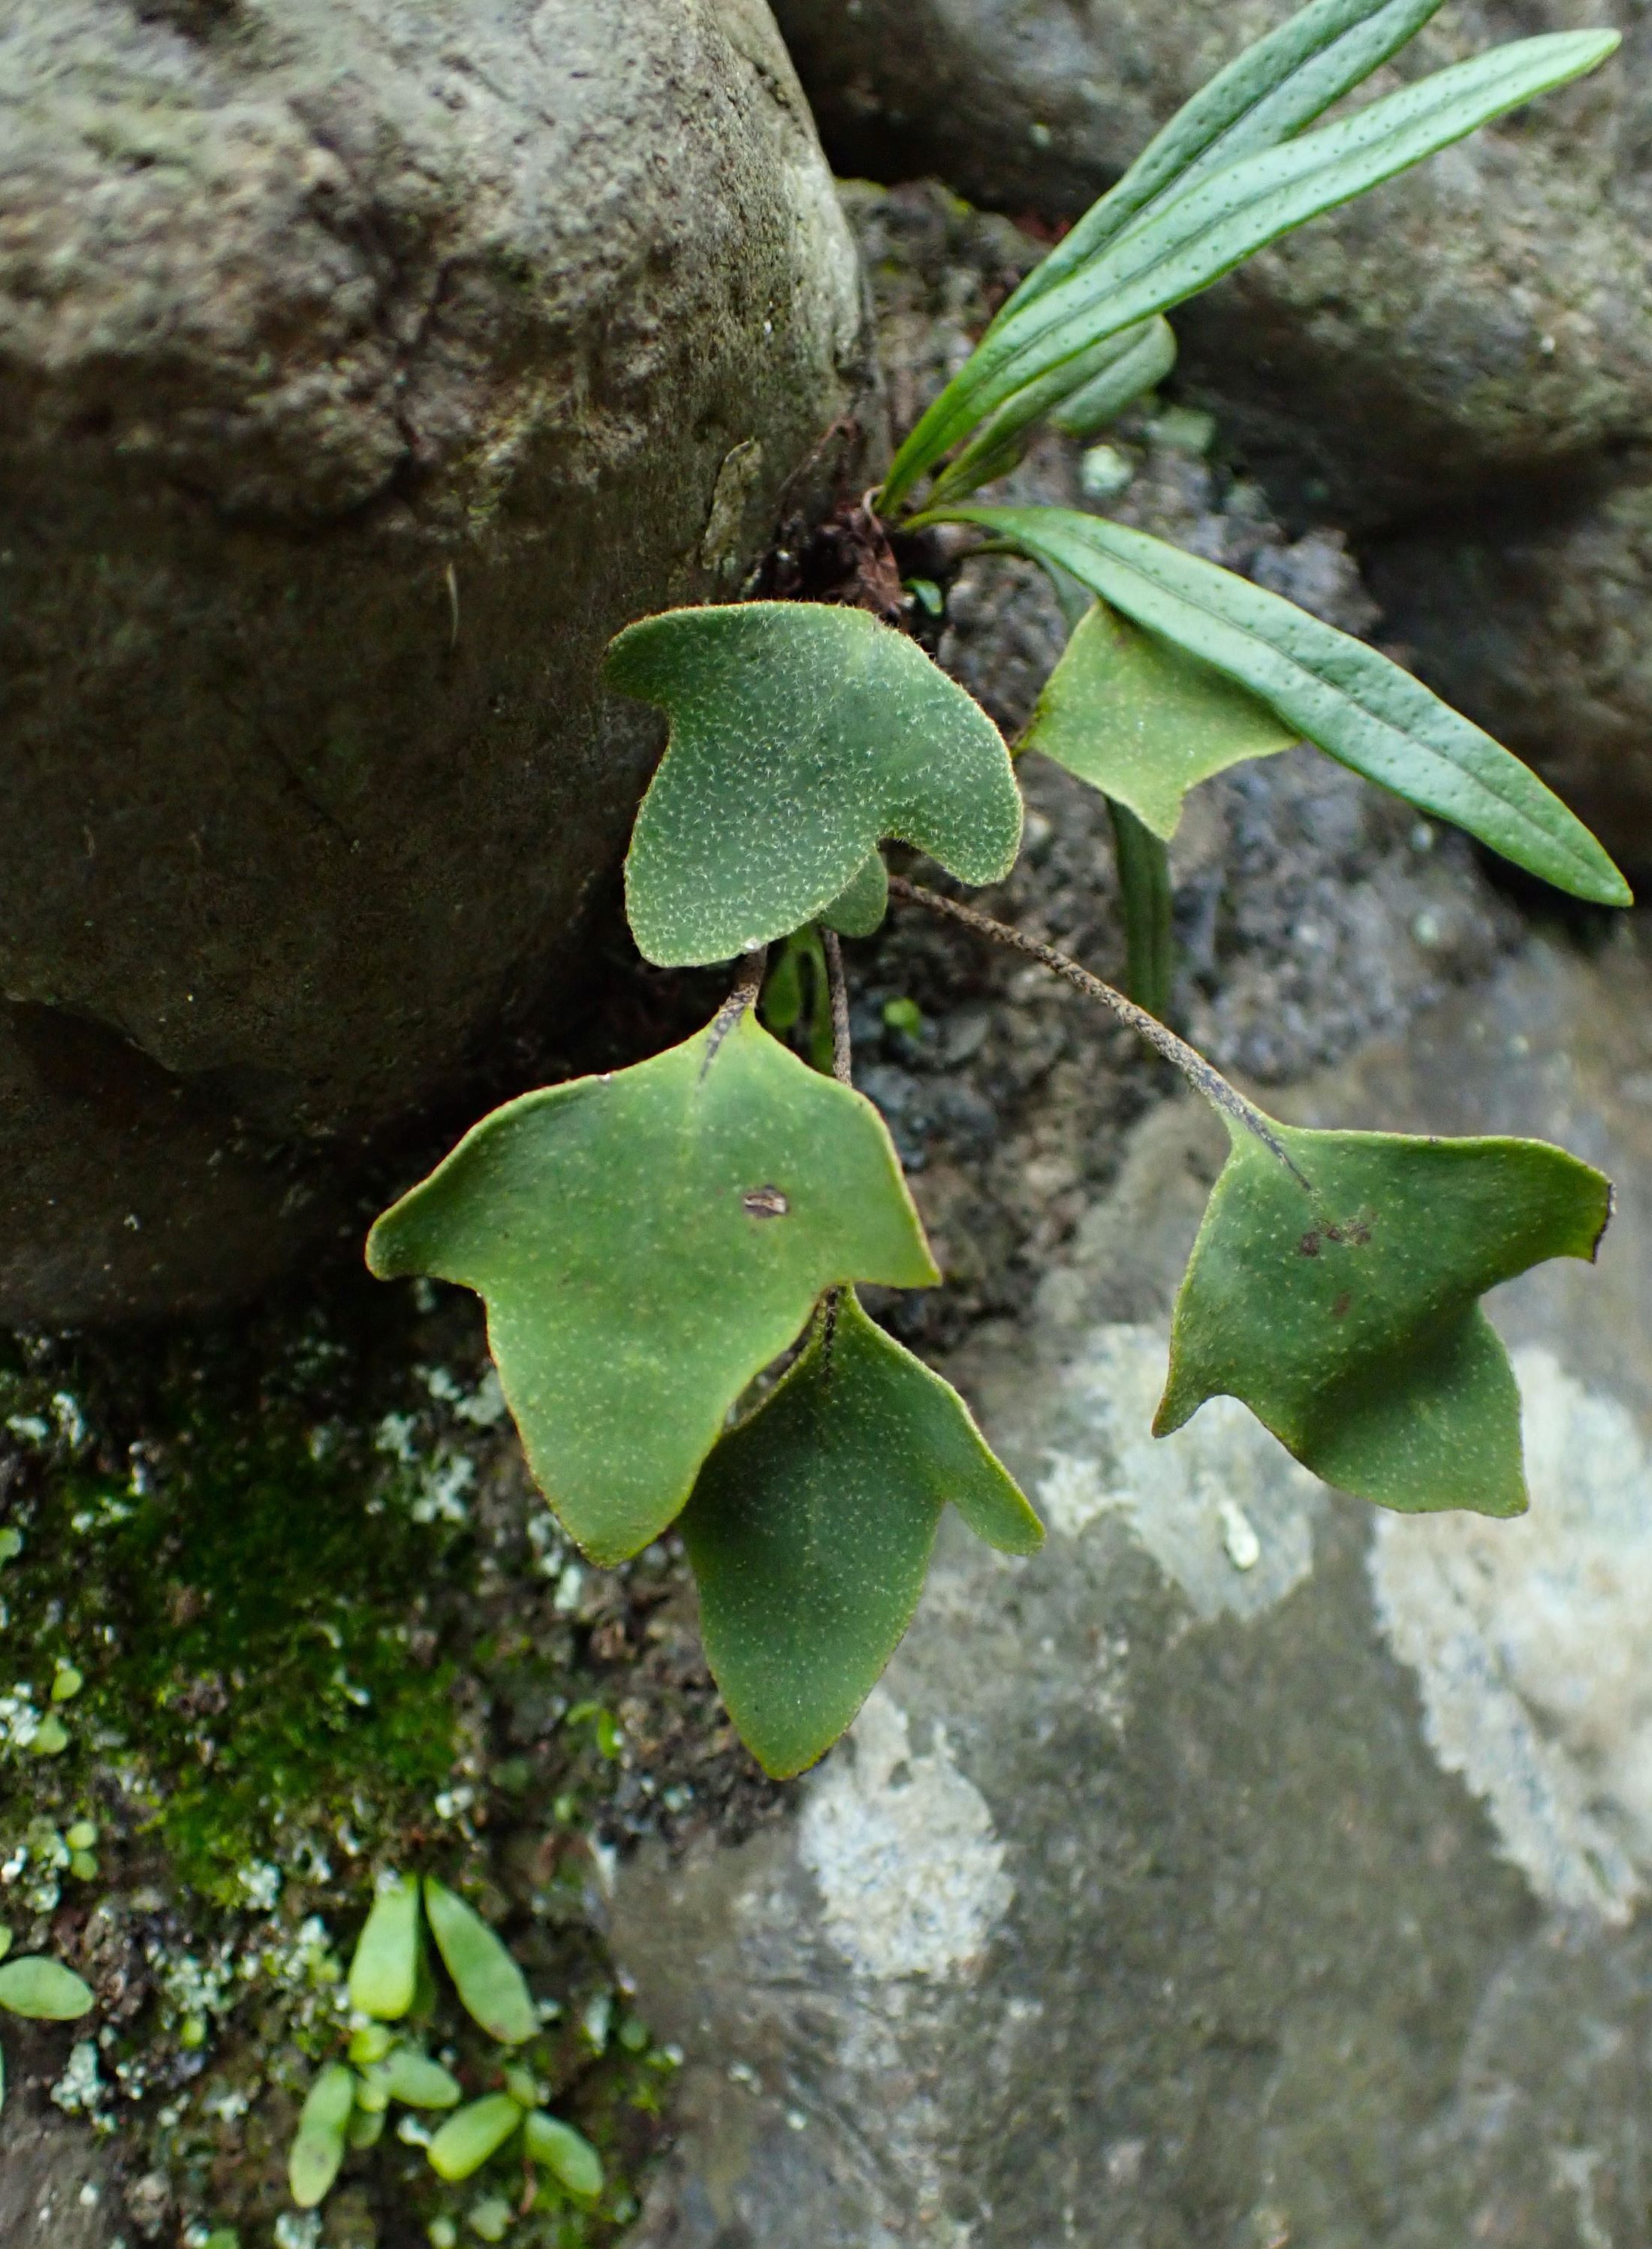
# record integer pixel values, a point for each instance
(346, 2106)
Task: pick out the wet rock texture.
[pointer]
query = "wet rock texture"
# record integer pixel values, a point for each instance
(1465, 356)
(361, 371)
(1244, 1869)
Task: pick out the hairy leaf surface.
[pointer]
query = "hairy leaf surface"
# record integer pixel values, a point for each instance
(1184, 243)
(802, 736)
(859, 909)
(810, 1529)
(1355, 703)
(1346, 1314)
(1143, 721)
(645, 1244)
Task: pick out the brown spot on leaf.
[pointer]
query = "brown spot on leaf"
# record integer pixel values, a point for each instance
(764, 1202)
(1340, 1310)
(1309, 1245)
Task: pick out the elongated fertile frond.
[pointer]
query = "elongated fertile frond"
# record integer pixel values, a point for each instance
(1191, 239)
(1353, 702)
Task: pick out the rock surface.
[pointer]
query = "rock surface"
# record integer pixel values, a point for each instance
(1489, 315)
(1464, 357)
(1247, 1869)
(361, 371)
(1534, 615)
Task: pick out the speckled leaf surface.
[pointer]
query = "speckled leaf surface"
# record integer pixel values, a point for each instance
(1347, 1317)
(1107, 377)
(809, 1532)
(1265, 95)
(1142, 721)
(802, 736)
(491, 1986)
(645, 1244)
(1350, 699)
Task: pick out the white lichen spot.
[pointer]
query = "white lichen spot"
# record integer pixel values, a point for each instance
(1529, 1642)
(483, 1408)
(1220, 1506)
(550, 1548)
(394, 1437)
(261, 1882)
(80, 2090)
(71, 1422)
(439, 1495)
(911, 1872)
(19, 1720)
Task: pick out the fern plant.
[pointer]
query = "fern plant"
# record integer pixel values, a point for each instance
(651, 1243)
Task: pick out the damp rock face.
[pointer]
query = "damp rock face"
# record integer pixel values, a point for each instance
(361, 372)
(1248, 1868)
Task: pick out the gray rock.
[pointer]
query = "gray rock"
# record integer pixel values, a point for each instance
(1247, 1869)
(363, 370)
(56, 2184)
(1537, 618)
(1488, 316)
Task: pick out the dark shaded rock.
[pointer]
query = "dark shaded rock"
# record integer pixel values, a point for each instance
(360, 373)
(1536, 617)
(1489, 315)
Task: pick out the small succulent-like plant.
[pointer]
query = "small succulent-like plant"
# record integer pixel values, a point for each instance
(390, 1980)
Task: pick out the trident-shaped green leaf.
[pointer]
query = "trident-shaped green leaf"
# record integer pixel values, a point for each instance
(1336, 1293)
(810, 1529)
(646, 1243)
(801, 737)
